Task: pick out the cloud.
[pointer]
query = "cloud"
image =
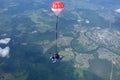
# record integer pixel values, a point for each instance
(34, 32)
(117, 10)
(4, 52)
(87, 21)
(5, 41)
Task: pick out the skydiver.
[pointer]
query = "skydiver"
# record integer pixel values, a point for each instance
(56, 58)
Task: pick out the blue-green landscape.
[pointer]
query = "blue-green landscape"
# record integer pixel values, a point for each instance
(88, 38)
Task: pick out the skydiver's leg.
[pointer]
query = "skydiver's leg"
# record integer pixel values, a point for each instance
(54, 60)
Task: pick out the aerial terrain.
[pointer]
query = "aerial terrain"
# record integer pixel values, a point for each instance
(88, 38)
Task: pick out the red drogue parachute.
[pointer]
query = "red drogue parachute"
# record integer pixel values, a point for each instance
(57, 7)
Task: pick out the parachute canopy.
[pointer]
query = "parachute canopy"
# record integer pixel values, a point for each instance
(57, 7)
